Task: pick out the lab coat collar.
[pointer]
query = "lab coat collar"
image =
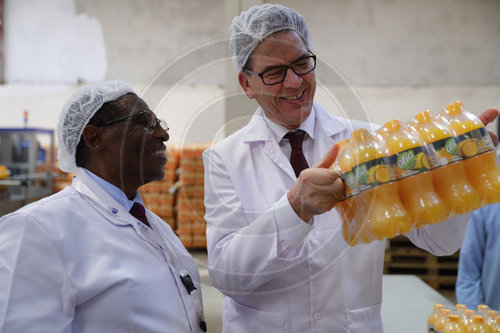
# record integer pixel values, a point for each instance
(327, 123)
(116, 193)
(280, 131)
(112, 210)
(85, 185)
(257, 129)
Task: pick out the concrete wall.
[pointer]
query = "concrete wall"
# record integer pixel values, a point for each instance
(404, 42)
(373, 42)
(397, 56)
(144, 36)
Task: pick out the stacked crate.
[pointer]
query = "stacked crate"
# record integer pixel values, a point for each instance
(402, 257)
(190, 203)
(158, 196)
(179, 197)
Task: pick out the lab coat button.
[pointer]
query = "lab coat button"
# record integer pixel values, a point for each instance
(318, 316)
(313, 240)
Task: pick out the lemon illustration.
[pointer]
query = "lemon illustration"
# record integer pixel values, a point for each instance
(425, 162)
(371, 174)
(419, 162)
(383, 175)
(469, 148)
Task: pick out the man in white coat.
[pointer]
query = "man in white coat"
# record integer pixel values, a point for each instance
(90, 258)
(275, 245)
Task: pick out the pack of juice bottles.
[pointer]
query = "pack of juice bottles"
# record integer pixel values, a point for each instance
(463, 320)
(408, 175)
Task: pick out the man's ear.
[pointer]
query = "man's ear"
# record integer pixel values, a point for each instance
(92, 136)
(245, 84)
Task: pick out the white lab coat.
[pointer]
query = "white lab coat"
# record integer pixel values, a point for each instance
(78, 262)
(278, 273)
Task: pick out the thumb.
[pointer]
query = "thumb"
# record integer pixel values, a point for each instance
(329, 157)
(488, 116)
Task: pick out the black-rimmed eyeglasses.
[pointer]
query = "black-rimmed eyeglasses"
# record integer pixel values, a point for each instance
(277, 74)
(146, 118)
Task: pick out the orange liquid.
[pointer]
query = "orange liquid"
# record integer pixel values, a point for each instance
(349, 209)
(449, 177)
(380, 211)
(361, 231)
(484, 175)
(388, 216)
(376, 212)
(416, 191)
(481, 170)
(421, 200)
(452, 186)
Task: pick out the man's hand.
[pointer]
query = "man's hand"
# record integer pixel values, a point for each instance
(487, 117)
(317, 189)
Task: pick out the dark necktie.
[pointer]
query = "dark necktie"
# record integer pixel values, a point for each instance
(139, 213)
(297, 158)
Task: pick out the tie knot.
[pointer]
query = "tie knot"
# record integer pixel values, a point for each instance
(295, 138)
(139, 213)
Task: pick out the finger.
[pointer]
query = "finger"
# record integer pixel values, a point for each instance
(488, 116)
(319, 176)
(329, 157)
(325, 192)
(339, 189)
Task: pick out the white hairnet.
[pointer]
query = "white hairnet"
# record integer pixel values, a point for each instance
(259, 22)
(77, 112)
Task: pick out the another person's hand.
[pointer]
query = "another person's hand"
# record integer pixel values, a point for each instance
(487, 117)
(317, 189)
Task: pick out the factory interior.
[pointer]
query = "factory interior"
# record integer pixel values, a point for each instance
(377, 60)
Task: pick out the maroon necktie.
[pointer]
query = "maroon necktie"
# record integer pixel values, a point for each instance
(297, 158)
(139, 213)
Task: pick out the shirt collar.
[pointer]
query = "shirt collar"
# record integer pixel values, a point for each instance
(280, 131)
(115, 192)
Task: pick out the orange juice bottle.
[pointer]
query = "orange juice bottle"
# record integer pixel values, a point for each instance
(460, 308)
(454, 325)
(449, 177)
(347, 208)
(477, 150)
(490, 319)
(431, 320)
(482, 308)
(467, 318)
(442, 321)
(412, 169)
(363, 152)
(478, 325)
(497, 325)
(388, 216)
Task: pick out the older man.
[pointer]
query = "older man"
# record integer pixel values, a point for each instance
(275, 246)
(91, 258)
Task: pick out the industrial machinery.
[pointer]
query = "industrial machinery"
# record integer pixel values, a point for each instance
(26, 166)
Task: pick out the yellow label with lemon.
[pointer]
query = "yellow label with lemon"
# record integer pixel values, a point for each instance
(367, 175)
(474, 143)
(410, 162)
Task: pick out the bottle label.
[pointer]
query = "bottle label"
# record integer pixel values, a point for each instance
(367, 175)
(445, 150)
(350, 183)
(410, 162)
(474, 143)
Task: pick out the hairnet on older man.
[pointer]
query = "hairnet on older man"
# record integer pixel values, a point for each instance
(258, 23)
(76, 114)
